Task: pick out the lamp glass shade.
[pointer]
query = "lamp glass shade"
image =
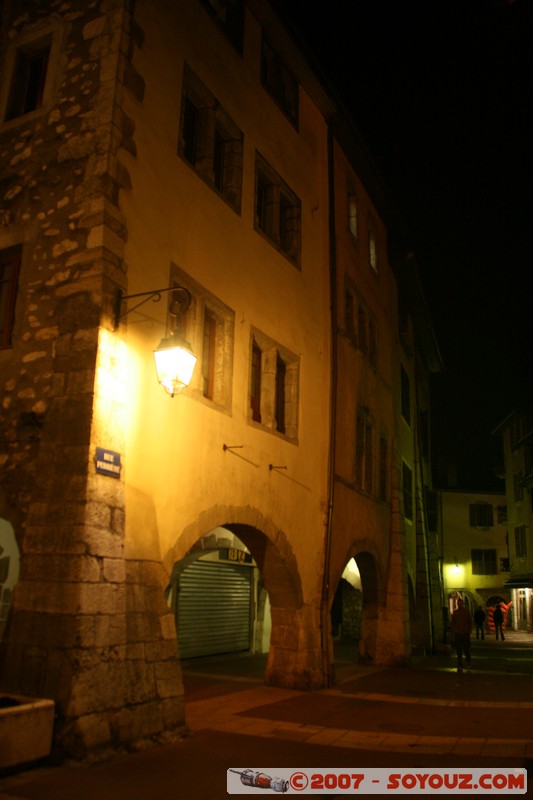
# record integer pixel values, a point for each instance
(174, 363)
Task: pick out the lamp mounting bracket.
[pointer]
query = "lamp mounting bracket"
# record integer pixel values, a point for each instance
(183, 300)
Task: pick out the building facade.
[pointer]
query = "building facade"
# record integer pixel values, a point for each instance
(475, 556)
(193, 151)
(516, 432)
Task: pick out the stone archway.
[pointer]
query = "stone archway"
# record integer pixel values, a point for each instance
(360, 599)
(295, 655)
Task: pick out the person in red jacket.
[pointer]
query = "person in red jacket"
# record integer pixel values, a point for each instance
(461, 628)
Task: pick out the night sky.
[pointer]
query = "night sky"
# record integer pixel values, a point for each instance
(442, 94)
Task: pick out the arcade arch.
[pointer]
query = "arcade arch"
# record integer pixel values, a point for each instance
(294, 651)
(9, 569)
(354, 607)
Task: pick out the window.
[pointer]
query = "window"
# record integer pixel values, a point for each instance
(208, 327)
(29, 76)
(9, 273)
(372, 245)
(349, 315)
(279, 82)
(255, 390)
(484, 562)
(501, 515)
(520, 541)
(281, 375)
(209, 140)
(364, 451)
(362, 328)
(352, 211)
(30, 69)
(405, 395)
(407, 483)
(360, 324)
(209, 353)
(229, 14)
(274, 379)
(481, 515)
(277, 211)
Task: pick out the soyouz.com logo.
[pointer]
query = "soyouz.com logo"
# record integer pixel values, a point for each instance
(245, 780)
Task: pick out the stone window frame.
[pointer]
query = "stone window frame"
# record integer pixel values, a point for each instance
(481, 515)
(44, 35)
(278, 211)
(211, 382)
(229, 15)
(352, 209)
(372, 245)
(264, 411)
(360, 325)
(10, 266)
(209, 140)
(484, 561)
(364, 451)
(279, 81)
(520, 542)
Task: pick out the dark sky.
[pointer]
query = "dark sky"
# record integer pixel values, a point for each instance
(442, 94)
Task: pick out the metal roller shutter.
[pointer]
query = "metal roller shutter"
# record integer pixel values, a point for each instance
(213, 609)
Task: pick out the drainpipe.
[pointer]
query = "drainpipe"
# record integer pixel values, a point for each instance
(422, 495)
(327, 655)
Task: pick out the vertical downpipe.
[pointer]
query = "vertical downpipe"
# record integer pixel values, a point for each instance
(326, 643)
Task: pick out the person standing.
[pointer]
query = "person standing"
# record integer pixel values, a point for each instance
(479, 619)
(461, 628)
(498, 621)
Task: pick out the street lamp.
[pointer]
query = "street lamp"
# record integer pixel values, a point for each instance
(174, 358)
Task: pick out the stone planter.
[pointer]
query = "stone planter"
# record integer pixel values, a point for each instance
(26, 725)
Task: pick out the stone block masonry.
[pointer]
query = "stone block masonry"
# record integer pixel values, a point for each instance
(87, 628)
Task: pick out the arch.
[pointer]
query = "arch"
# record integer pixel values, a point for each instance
(295, 655)
(268, 545)
(9, 568)
(367, 605)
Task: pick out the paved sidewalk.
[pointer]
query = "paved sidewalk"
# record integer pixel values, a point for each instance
(423, 715)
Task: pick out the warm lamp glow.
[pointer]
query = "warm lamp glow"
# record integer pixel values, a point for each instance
(174, 363)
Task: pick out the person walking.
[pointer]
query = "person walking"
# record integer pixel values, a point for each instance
(461, 628)
(497, 618)
(479, 619)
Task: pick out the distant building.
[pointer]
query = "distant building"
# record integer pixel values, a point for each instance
(475, 559)
(187, 153)
(516, 432)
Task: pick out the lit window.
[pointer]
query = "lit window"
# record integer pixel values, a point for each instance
(279, 82)
(277, 211)
(9, 273)
(372, 245)
(352, 211)
(274, 378)
(209, 141)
